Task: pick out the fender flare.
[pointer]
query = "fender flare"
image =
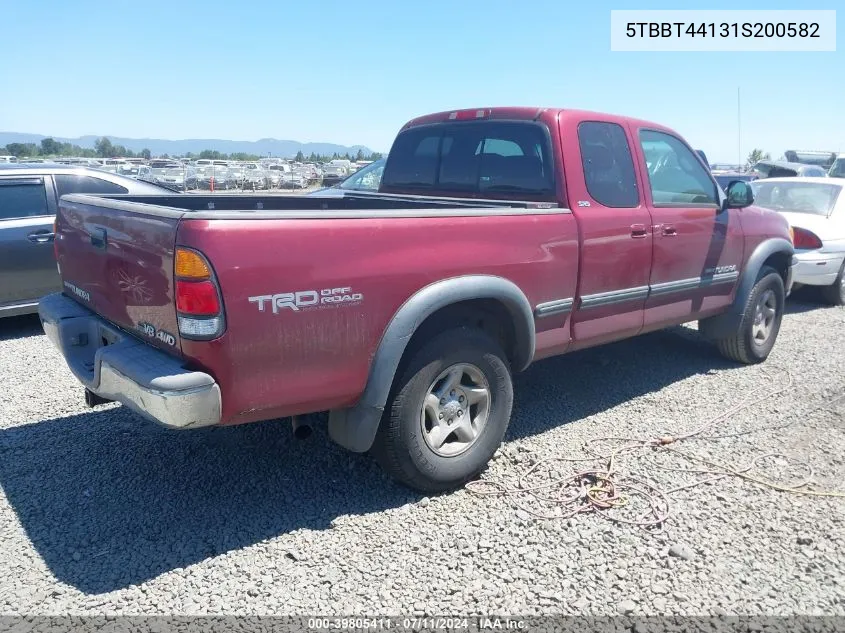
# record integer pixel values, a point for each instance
(355, 428)
(726, 324)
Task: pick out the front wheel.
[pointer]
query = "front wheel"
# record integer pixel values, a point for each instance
(835, 294)
(758, 329)
(448, 412)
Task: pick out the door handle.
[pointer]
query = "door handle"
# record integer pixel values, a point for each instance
(41, 237)
(669, 230)
(638, 231)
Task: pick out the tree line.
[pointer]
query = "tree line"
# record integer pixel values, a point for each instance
(104, 148)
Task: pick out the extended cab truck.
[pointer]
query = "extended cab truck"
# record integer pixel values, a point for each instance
(498, 237)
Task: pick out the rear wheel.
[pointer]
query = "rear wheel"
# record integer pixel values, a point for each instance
(448, 412)
(835, 294)
(758, 329)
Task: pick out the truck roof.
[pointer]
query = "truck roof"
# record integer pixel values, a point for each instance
(527, 113)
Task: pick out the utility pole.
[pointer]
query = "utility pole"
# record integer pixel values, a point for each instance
(738, 130)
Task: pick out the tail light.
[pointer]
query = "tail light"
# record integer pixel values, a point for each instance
(199, 308)
(804, 239)
(56, 243)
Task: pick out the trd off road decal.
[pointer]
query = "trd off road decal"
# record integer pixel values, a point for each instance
(307, 299)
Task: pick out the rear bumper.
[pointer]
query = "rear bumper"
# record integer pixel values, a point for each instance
(116, 366)
(817, 269)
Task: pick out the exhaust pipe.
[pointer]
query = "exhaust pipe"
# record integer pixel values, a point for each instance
(301, 427)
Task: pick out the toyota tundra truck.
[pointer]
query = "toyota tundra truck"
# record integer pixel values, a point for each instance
(498, 237)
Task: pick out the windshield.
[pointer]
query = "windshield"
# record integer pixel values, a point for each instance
(365, 179)
(796, 197)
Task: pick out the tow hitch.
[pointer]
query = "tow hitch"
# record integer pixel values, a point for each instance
(92, 399)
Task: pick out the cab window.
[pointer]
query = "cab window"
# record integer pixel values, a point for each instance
(676, 175)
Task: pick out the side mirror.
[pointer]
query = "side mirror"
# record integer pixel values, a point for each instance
(739, 195)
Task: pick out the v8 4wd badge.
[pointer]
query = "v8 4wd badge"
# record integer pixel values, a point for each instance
(150, 331)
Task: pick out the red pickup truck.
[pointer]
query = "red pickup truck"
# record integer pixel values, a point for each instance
(498, 237)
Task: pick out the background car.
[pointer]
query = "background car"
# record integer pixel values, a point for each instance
(365, 179)
(837, 170)
(255, 177)
(724, 178)
(786, 169)
(28, 201)
(815, 209)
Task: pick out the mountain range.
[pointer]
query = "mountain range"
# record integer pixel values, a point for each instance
(158, 146)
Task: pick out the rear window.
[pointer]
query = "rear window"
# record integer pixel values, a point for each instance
(489, 158)
(66, 184)
(22, 198)
(796, 197)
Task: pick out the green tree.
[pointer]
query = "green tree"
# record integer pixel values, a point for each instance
(50, 147)
(211, 154)
(756, 156)
(146, 154)
(359, 155)
(300, 157)
(22, 150)
(104, 147)
(120, 150)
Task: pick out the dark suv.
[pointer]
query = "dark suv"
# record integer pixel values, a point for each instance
(28, 198)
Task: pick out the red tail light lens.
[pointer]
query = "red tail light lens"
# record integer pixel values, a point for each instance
(197, 298)
(802, 238)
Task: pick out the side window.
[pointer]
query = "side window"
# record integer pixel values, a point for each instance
(608, 164)
(66, 183)
(22, 198)
(676, 176)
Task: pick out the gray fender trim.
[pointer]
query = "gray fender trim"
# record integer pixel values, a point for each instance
(355, 428)
(726, 324)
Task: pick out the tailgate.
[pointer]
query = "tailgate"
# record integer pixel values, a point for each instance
(116, 258)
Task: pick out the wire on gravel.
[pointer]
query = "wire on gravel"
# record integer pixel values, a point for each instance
(606, 491)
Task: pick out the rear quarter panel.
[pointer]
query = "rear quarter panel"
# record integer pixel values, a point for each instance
(271, 365)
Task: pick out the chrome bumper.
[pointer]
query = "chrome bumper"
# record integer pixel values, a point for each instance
(115, 366)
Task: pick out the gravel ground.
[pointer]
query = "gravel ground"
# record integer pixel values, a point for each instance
(103, 513)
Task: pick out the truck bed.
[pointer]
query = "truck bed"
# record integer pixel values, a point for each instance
(116, 255)
(350, 205)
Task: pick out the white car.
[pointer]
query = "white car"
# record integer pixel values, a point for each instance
(815, 209)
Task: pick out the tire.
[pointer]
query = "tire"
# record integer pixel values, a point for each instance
(753, 341)
(835, 294)
(406, 444)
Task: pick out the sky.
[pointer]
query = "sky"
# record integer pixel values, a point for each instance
(353, 72)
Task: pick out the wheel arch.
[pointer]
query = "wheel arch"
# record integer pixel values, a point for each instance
(355, 428)
(775, 252)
